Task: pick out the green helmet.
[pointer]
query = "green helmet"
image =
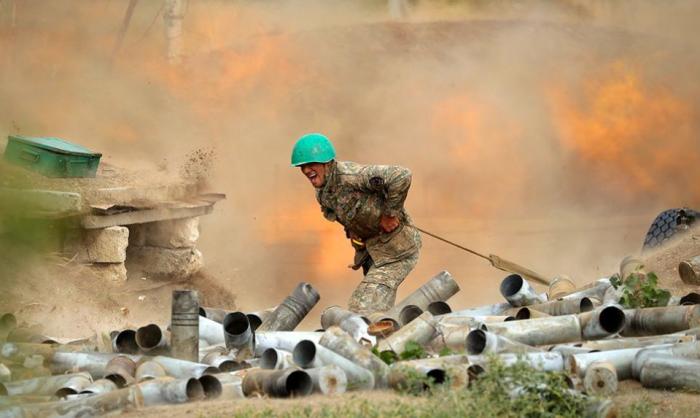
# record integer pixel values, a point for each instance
(312, 148)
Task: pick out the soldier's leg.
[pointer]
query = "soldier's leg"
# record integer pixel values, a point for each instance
(377, 291)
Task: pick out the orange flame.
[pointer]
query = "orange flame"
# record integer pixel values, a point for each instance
(328, 253)
(618, 128)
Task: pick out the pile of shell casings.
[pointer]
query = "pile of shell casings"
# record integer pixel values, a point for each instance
(209, 353)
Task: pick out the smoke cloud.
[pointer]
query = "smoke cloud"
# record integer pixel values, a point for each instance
(549, 133)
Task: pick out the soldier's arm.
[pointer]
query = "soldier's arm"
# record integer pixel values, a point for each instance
(328, 213)
(392, 181)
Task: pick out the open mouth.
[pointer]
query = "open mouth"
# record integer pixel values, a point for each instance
(311, 175)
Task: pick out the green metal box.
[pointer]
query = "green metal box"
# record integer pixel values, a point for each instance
(52, 157)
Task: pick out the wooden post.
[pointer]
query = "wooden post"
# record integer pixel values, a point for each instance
(125, 25)
(173, 15)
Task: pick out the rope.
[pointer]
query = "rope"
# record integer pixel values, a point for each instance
(454, 244)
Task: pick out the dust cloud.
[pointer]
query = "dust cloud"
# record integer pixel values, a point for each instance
(549, 133)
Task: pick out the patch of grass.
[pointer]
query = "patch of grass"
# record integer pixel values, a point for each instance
(413, 351)
(413, 382)
(446, 352)
(388, 357)
(643, 408)
(522, 391)
(640, 290)
(503, 391)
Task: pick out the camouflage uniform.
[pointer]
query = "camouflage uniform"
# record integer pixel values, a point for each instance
(357, 196)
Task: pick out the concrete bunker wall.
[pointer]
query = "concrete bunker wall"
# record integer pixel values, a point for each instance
(162, 249)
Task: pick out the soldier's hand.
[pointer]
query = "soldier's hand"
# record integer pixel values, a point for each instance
(389, 223)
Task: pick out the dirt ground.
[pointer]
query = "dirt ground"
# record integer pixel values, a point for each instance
(61, 299)
(664, 262)
(656, 403)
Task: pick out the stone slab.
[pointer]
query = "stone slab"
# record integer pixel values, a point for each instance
(176, 233)
(158, 262)
(107, 245)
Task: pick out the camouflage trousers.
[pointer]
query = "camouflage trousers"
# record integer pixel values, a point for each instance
(377, 291)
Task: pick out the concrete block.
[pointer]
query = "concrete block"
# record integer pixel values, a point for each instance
(175, 233)
(43, 200)
(106, 245)
(127, 194)
(111, 272)
(165, 262)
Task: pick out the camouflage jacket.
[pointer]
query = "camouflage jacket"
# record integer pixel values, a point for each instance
(358, 195)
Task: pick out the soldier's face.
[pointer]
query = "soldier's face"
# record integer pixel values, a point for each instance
(315, 172)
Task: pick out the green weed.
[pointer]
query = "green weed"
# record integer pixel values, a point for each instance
(413, 351)
(504, 391)
(640, 290)
(640, 409)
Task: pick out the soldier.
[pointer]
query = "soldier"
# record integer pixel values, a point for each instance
(368, 201)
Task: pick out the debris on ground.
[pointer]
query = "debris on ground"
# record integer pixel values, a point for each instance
(564, 354)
